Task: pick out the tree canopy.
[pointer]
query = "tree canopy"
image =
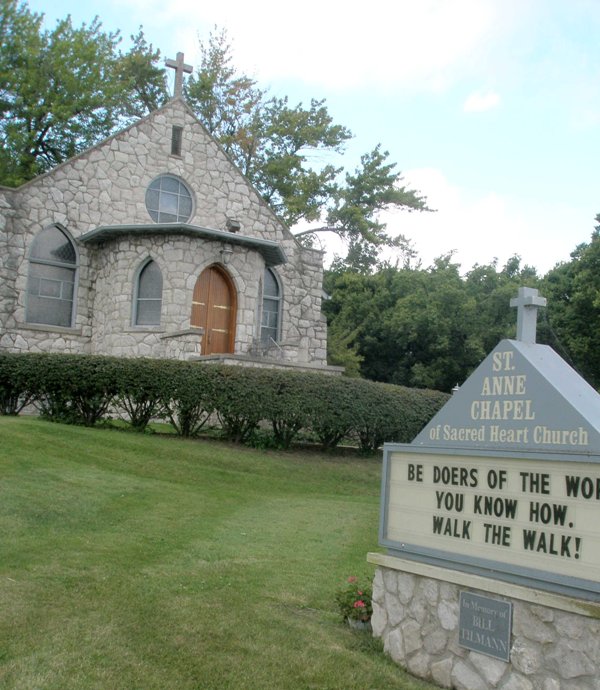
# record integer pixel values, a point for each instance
(431, 327)
(421, 327)
(65, 89)
(273, 143)
(572, 320)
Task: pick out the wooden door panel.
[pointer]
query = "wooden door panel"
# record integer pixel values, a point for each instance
(213, 308)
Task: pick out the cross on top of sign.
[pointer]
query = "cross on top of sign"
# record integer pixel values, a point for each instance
(180, 67)
(528, 301)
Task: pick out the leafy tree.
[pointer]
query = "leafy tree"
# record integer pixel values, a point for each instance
(273, 144)
(354, 208)
(227, 104)
(573, 313)
(422, 327)
(142, 83)
(493, 289)
(63, 90)
(268, 140)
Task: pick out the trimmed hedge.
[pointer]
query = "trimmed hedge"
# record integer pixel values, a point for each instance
(17, 382)
(83, 389)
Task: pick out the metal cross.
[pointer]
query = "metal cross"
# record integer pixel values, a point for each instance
(180, 67)
(528, 301)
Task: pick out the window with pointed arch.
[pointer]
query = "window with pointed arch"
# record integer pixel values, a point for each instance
(148, 295)
(52, 279)
(271, 308)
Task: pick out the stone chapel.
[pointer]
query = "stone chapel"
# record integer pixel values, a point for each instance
(153, 244)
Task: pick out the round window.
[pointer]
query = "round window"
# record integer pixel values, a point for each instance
(168, 200)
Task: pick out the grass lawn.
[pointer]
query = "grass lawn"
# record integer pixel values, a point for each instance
(135, 561)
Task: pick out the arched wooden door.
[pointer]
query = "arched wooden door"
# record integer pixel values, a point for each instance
(214, 309)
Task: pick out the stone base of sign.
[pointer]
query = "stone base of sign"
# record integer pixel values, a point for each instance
(555, 642)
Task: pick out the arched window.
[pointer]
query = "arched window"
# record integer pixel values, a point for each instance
(168, 200)
(148, 295)
(52, 279)
(271, 308)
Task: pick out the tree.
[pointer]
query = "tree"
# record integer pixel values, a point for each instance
(492, 290)
(422, 327)
(572, 323)
(273, 145)
(142, 83)
(411, 326)
(268, 140)
(355, 207)
(65, 89)
(228, 105)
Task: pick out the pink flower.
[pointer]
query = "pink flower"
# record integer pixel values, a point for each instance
(352, 578)
(360, 604)
(359, 593)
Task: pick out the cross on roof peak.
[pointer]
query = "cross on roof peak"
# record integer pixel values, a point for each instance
(180, 67)
(528, 301)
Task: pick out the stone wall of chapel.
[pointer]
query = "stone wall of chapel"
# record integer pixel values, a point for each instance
(106, 186)
(10, 249)
(181, 260)
(303, 328)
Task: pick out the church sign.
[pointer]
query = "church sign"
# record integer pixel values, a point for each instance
(505, 480)
(530, 515)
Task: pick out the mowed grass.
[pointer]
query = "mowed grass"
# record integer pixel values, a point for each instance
(135, 561)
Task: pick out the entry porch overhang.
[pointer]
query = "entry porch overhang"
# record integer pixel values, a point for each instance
(271, 251)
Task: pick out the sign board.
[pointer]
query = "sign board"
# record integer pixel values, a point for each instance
(504, 481)
(526, 517)
(485, 625)
(522, 396)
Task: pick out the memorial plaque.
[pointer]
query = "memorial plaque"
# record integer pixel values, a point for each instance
(485, 625)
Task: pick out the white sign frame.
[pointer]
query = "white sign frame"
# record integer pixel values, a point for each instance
(509, 515)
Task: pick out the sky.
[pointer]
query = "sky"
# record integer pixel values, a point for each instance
(489, 108)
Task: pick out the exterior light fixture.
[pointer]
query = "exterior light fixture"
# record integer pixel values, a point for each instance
(226, 253)
(233, 225)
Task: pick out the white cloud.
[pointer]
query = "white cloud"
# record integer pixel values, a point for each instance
(479, 102)
(332, 44)
(479, 229)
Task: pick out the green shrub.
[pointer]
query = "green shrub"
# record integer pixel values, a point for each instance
(78, 389)
(83, 388)
(17, 386)
(141, 385)
(188, 396)
(332, 407)
(239, 399)
(284, 403)
(386, 413)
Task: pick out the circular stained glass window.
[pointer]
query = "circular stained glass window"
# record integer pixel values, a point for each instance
(168, 200)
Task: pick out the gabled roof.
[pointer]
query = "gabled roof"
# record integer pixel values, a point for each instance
(171, 104)
(271, 251)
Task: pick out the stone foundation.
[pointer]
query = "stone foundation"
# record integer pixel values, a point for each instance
(555, 642)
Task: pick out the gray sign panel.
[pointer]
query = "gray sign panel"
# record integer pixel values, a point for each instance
(485, 625)
(522, 396)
